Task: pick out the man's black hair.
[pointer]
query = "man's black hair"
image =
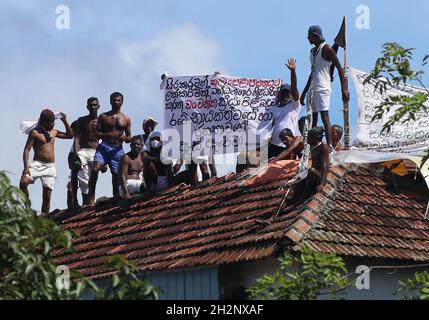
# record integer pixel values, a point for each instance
(288, 132)
(115, 94)
(302, 119)
(90, 99)
(136, 138)
(317, 133)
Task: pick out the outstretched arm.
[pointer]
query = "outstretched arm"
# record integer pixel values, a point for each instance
(332, 56)
(291, 64)
(26, 153)
(127, 137)
(307, 86)
(123, 169)
(285, 154)
(68, 134)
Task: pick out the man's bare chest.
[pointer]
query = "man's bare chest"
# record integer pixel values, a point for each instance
(115, 122)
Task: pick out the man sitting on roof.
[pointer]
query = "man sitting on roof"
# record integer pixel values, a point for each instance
(336, 135)
(157, 175)
(148, 126)
(130, 170)
(316, 177)
(294, 146)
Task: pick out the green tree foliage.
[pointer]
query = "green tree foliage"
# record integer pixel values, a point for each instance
(393, 70)
(27, 267)
(417, 287)
(304, 276)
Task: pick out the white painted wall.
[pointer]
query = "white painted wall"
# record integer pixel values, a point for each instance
(382, 283)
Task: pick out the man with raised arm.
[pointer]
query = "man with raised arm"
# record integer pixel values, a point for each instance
(42, 140)
(286, 112)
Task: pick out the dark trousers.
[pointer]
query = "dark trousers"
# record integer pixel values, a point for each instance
(274, 151)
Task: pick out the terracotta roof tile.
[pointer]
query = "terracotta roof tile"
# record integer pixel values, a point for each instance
(219, 222)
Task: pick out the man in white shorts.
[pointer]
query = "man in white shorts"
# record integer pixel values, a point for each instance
(88, 140)
(131, 170)
(42, 140)
(319, 81)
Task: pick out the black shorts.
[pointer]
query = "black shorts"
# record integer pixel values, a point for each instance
(274, 151)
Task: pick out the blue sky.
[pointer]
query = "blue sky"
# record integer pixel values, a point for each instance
(126, 45)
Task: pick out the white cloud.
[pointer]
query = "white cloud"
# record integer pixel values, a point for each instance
(180, 51)
(65, 80)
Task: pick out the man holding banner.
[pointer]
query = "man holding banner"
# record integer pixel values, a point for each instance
(286, 112)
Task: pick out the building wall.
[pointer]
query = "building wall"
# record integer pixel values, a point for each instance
(235, 278)
(382, 282)
(187, 284)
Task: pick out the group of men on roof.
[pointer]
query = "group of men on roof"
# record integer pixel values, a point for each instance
(98, 140)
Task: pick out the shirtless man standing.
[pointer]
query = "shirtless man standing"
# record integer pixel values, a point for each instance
(130, 170)
(113, 128)
(42, 140)
(86, 133)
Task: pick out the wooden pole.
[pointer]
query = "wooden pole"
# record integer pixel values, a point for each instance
(346, 107)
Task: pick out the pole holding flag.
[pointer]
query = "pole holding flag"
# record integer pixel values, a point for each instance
(341, 41)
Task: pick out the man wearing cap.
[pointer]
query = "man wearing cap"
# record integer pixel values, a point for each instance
(319, 81)
(114, 128)
(286, 111)
(42, 140)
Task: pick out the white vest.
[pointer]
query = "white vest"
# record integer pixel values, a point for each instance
(320, 78)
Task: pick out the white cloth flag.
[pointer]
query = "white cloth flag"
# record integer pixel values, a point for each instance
(405, 141)
(27, 126)
(411, 137)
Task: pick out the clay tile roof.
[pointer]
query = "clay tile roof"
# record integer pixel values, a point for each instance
(219, 222)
